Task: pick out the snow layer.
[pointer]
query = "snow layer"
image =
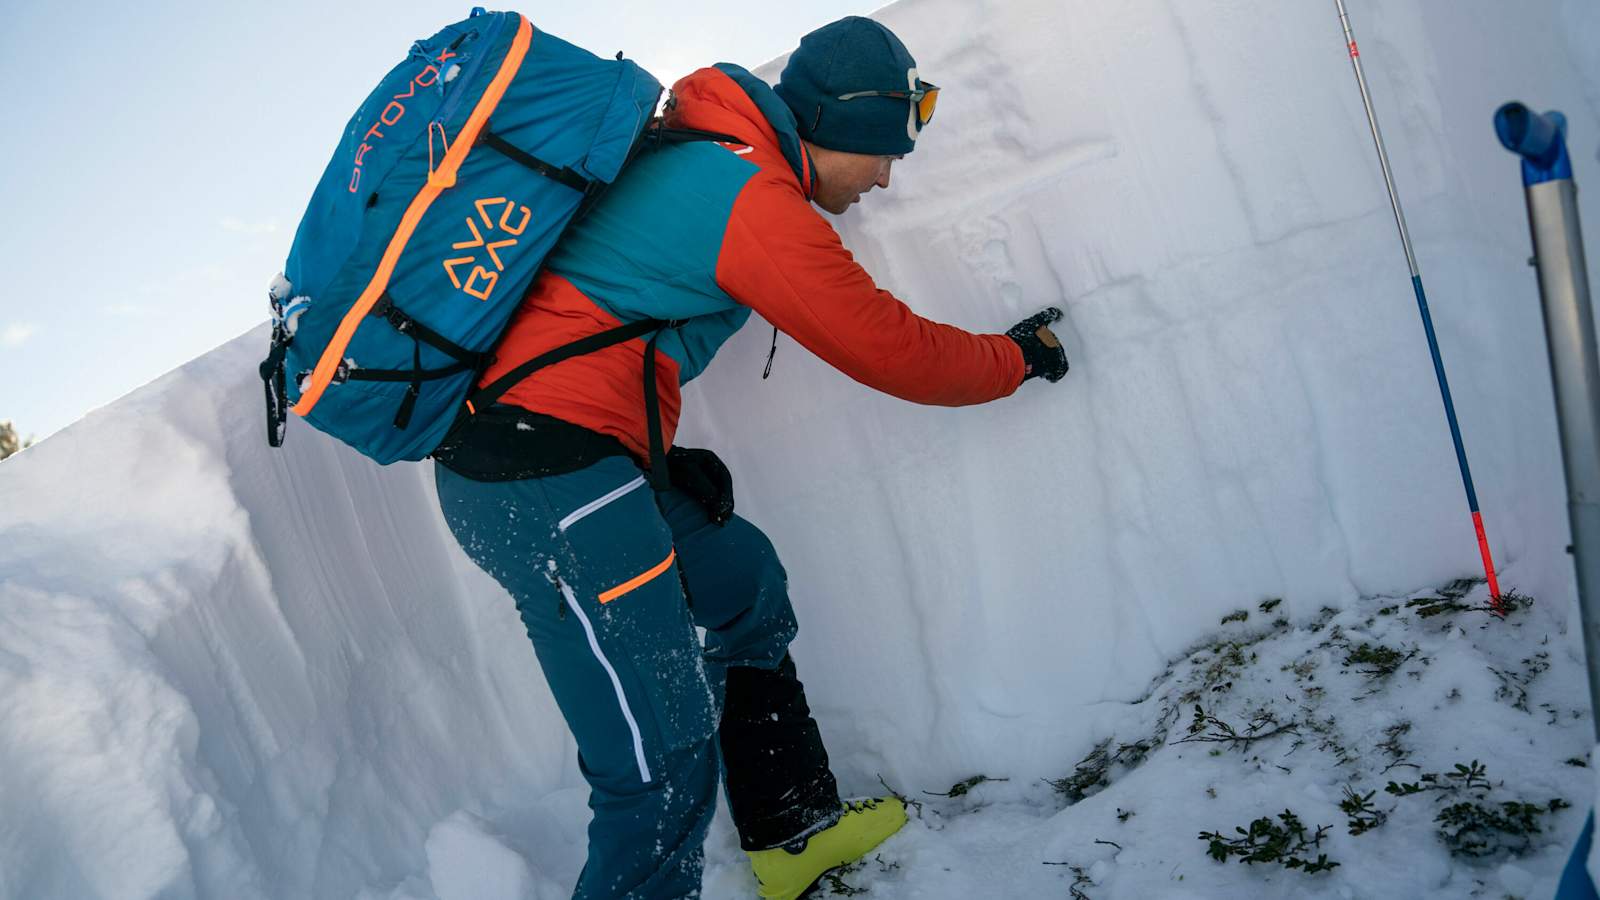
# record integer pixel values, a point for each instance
(233, 672)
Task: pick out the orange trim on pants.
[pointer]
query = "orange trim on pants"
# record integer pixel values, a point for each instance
(639, 581)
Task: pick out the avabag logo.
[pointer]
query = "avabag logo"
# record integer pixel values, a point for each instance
(481, 280)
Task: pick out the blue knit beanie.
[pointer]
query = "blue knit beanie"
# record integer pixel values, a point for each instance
(852, 54)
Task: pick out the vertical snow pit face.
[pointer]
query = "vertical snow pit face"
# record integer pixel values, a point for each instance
(1581, 20)
(410, 654)
(1251, 411)
(88, 740)
(230, 671)
(100, 733)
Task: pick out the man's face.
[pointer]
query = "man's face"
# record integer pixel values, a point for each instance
(843, 177)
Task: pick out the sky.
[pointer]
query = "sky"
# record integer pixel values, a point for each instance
(159, 156)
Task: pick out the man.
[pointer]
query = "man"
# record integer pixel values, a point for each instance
(547, 491)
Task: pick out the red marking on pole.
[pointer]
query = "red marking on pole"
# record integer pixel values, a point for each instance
(1353, 51)
(1495, 602)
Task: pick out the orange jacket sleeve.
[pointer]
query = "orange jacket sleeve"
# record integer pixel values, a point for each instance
(782, 259)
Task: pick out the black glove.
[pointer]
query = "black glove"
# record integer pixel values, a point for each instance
(1041, 351)
(702, 476)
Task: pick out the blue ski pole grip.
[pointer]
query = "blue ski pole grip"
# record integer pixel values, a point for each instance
(1539, 138)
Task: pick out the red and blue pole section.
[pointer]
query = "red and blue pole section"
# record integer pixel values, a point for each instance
(1496, 603)
(1461, 451)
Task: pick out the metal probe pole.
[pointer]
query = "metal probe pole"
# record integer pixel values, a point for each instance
(1427, 319)
(1569, 331)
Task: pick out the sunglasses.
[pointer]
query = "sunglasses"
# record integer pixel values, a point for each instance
(925, 98)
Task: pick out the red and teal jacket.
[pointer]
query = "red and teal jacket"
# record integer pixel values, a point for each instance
(706, 232)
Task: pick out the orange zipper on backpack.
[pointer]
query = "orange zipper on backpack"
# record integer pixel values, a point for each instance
(439, 179)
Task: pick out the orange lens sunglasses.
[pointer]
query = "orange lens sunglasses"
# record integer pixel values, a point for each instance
(926, 97)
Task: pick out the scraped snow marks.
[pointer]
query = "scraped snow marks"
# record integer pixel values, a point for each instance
(467, 861)
(1008, 177)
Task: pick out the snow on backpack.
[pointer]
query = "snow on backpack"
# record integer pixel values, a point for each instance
(428, 226)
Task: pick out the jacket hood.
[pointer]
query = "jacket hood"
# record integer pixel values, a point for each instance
(727, 98)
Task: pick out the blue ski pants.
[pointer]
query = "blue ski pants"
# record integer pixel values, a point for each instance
(610, 578)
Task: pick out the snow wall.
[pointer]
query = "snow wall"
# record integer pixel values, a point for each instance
(231, 671)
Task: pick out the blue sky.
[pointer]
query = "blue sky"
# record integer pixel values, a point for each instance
(158, 156)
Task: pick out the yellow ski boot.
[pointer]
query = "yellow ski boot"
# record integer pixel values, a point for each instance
(788, 872)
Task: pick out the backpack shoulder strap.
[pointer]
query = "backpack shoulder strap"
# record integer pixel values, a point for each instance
(660, 135)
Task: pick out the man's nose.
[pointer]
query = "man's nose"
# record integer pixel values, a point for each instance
(883, 177)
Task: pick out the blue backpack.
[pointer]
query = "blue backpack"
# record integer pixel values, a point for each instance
(451, 184)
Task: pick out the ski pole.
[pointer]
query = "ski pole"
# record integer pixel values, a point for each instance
(1427, 320)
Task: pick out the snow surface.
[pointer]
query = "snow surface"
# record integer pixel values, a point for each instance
(227, 671)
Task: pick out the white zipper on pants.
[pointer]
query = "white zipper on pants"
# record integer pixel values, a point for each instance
(594, 505)
(616, 683)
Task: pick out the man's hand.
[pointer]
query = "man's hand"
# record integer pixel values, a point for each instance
(702, 476)
(1041, 351)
